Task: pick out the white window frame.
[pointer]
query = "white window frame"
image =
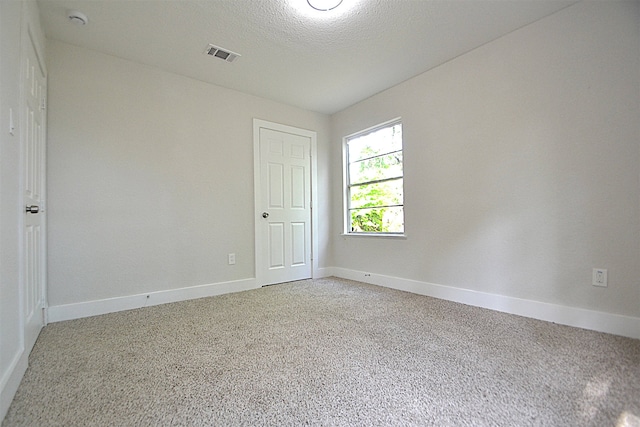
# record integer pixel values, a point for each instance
(346, 183)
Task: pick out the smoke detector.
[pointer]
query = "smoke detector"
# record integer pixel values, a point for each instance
(221, 53)
(77, 18)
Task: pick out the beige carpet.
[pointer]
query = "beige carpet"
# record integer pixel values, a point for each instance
(326, 352)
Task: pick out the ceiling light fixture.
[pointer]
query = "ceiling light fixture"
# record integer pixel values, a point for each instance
(77, 18)
(324, 5)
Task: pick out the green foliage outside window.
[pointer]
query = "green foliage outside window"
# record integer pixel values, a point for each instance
(369, 222)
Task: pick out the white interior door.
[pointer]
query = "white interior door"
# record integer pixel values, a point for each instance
(283, 227)
(33, 89)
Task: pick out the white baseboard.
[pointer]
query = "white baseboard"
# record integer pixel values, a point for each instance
(11, 379)
(321, 272)
(565, 315)
(58, 313)
(571, 316)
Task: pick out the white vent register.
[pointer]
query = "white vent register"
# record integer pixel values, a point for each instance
(221, 53)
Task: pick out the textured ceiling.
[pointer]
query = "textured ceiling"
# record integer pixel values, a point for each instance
(320, 61)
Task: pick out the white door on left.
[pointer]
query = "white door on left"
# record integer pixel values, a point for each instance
(33, 148)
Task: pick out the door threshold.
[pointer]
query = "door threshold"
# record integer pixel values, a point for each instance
(282, 283)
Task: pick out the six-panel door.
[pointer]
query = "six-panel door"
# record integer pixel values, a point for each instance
(286, 203)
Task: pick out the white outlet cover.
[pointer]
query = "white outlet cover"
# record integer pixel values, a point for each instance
(12, 126)
(599, 277)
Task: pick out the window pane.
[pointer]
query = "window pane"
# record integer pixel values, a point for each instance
(376, 168)
(381, 141)
(381, 194)
(377, 220)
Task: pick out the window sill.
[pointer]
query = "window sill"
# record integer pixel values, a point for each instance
(379, 235)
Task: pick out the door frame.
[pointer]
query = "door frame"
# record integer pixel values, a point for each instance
(257, 191)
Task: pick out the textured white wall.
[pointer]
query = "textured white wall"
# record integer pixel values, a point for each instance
(151, 177)
(522, 165)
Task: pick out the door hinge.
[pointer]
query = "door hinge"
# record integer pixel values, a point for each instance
(43, 103)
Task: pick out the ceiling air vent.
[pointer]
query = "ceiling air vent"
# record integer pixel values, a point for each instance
(221, 53)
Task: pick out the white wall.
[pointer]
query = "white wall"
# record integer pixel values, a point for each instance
(150, 177)
(14, 16)
(522, 166)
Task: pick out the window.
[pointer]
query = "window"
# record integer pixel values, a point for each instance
(374, 180)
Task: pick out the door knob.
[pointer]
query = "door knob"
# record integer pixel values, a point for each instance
(33, 209)
(265, 214)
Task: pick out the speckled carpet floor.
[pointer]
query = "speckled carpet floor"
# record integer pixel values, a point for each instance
(327, 352)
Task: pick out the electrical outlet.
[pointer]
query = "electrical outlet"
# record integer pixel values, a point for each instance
(12, 126)
(232, 259)
(599, 277)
